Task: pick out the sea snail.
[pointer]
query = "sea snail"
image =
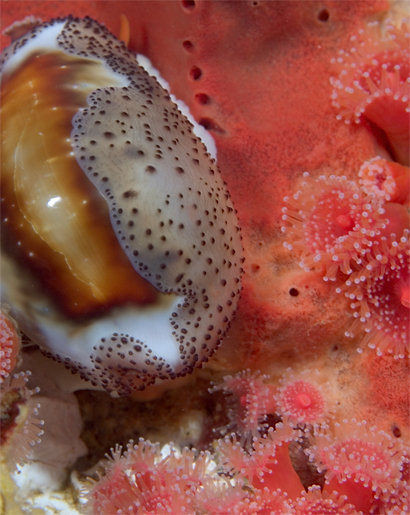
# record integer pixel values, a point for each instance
(121, 254)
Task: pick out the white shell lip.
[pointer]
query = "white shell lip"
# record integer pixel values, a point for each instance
(198, 268)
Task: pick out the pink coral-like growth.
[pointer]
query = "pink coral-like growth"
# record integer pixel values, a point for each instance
(305, 399)
(372, 80)
(332, 222)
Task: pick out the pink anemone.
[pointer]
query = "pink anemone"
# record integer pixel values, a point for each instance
(305, 399)
(388, 180)
(381, 299)
(361, 462)
(331, 222)
(249, 400)
(372, 81)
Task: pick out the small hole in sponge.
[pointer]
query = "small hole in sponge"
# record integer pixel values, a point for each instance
(323, 15)
(202, 98)
(188, 5)
(396, 430)
(188, 45)
(195, 73)
(293, 292)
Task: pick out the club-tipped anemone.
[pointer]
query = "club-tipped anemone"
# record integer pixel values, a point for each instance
(360, 458)
(249, 400)
(144, 480)
(113, 212)
(380, 297)
(316, 502)
(330, 221)
(305, 399)
(21, 427)
(267, 463)
(371, 80)
(265, 500)
(387, 180)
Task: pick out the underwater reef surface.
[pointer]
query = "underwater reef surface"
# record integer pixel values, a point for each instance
(308, 105)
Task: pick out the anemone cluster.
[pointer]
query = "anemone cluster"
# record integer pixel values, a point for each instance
(357, 231)
(373, 82)
(356, 238)
(361, 469)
